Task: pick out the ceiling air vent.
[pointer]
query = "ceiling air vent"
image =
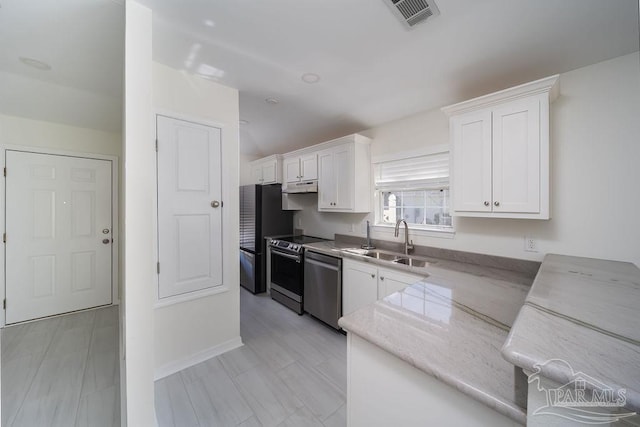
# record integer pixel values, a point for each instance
(412, 12)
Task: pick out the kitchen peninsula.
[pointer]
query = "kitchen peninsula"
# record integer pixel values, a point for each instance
(433, 353)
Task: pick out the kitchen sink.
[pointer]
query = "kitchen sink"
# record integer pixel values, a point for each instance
(412, 262)
(393, 257)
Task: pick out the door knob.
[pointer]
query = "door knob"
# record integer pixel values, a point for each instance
(106, 241)
(215, 204)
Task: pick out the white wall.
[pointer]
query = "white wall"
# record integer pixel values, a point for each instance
(207, 325)
(244, 169)
(595, 173)
(34, 133)
(139, 175)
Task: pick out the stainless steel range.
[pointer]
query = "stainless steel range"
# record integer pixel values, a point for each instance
(287, 270)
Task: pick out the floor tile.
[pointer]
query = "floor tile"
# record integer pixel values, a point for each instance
(338, 418)
(100, 409)
(302, 418)
(268, 397)
(173, 407)
(335, 372)
(320, 397)
(239, 360)
(217, 401)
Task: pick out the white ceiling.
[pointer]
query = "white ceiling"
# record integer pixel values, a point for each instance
(83, 42)
(372, 69)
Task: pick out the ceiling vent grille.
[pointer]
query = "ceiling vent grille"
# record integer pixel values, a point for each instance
(412, 12)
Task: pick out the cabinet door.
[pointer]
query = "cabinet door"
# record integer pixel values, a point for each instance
(516, 156)
(344, 176)
(326, 180)
(256, 174)
(471, 176)
(292, 170)
(269, 175)
(359, 285)
(390, 281)
(309, 167)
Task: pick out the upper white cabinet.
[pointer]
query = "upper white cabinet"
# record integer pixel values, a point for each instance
(344, 175)
(300, 168)
(500, 152)
(267, 170)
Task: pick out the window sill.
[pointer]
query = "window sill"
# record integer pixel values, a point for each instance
(448, 233)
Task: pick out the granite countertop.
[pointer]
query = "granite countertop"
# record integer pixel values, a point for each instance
(451, 325)
(585, 312)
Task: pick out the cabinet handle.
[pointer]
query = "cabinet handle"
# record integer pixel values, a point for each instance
(373, 276)
(496, 203)
(486, 203)
(381, 278)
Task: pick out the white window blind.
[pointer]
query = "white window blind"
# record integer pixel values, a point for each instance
(422, 172)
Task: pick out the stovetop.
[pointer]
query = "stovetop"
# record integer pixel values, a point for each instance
(294, 243)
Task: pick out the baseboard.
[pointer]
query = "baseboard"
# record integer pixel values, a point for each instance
(194, 359)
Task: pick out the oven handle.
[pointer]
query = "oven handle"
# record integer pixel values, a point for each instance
(286, 255)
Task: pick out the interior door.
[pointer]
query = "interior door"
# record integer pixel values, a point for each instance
(59, 243)
(189, 207)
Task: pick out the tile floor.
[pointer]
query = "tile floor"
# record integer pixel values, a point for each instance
(62, 371)
(290, 372)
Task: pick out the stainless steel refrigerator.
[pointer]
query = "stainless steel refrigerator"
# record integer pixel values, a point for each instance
(261, 215)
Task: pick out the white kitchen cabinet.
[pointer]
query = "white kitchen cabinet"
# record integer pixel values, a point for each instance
(391, 281)
(344, 176)
(359, 285)
(301, 168)
(267, 170)
(364, 283)
(500, 152)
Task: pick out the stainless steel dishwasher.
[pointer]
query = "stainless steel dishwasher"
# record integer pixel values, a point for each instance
(323, 287)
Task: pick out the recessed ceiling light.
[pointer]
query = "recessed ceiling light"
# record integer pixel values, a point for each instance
(209, 23)
(244, 122)
(310, 78)
(35, 63)
(271, 101)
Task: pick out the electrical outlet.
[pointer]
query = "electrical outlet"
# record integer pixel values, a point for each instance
(530, 244)
(351, 228)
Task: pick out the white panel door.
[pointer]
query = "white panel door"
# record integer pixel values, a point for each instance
(472, 162)
(516, 156)
(189, 207)
(59, 244)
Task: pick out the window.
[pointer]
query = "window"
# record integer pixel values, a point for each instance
(415, 189)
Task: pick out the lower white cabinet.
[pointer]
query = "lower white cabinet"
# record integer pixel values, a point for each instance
(391, 281)
(359, 285)
(364, 283)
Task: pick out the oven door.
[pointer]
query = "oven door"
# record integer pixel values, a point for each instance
(287, 273)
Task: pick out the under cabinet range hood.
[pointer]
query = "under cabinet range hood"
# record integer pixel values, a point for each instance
(300, 187)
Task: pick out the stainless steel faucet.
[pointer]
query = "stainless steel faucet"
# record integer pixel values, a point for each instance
(368, 245)
(408, 247)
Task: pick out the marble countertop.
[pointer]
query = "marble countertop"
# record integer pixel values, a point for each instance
(452, 325)
(435, 265)
(585, 312)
